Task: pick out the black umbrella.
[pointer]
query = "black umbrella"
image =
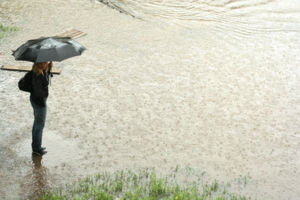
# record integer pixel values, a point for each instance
(47, 49)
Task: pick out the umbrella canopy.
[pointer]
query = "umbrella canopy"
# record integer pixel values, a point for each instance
(48, 49)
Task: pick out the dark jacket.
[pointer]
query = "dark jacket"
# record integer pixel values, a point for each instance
(39, 91)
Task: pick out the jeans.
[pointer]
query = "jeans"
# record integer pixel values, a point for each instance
(38, 125)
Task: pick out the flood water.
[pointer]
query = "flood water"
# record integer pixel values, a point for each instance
(208, 84)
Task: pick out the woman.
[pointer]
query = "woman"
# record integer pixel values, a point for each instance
(38, 98)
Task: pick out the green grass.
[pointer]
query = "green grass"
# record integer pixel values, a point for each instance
(5, 30)
(143, 185)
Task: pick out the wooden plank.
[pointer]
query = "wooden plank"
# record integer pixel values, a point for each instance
(67, 33)
(79, 35)
(73, 33)
(25, 68)
(64, 32)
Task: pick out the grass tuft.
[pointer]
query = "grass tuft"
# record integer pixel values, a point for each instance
(5, 30)
(144, 185)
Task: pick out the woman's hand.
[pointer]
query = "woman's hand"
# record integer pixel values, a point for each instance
(50, 65)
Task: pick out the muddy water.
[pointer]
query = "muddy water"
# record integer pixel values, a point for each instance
(212, 85)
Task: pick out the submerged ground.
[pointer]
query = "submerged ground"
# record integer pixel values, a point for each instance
(153, 94)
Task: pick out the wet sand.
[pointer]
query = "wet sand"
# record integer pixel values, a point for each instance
(149, 94)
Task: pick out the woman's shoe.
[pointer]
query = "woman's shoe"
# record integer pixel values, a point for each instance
(39, 152)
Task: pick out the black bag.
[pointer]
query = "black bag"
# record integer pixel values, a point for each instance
(25, 83)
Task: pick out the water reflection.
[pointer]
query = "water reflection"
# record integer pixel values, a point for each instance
(38, 170)
(37, 183)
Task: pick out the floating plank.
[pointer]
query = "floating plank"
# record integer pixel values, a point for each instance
(25, 69)
(73, 33)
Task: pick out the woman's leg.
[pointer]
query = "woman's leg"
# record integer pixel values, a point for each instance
(38, 125)
(33, 130)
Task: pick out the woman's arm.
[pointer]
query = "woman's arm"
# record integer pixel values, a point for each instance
(50, 65)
